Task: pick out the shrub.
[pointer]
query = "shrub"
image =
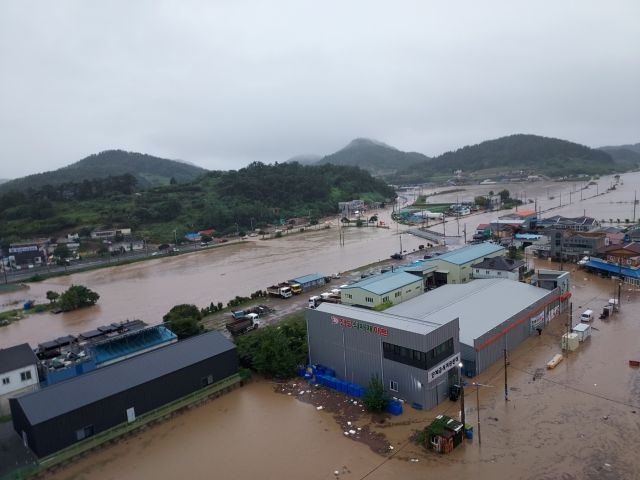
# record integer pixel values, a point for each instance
(375, 398)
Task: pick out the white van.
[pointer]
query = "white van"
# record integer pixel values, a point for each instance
(587, 316)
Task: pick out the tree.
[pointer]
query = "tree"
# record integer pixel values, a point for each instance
(275, 351)
(184, 320)
(77, 296)
(62, 251)
(481, 201)
(504, 195)
(52, 296)
(373, 219)
(205, 238)
(173, 181)
(375, 399)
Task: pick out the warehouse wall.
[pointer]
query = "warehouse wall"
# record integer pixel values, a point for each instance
(356, 355)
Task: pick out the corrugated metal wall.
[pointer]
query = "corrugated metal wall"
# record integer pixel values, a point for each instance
(356, 355)
(494, 351)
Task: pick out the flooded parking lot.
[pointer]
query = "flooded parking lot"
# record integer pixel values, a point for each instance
(578, 421)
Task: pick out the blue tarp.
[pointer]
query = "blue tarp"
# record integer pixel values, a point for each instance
(611, 268)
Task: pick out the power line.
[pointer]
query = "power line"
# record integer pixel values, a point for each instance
(575, 389)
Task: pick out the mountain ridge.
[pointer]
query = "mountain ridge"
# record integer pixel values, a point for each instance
(148, 170)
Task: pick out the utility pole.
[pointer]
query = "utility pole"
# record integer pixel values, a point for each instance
(634, 205)
(478, 409)
(462, 415)
(506, 364)
(478, 385)
(464, 230)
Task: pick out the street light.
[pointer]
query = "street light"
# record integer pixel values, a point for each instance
(462, 417)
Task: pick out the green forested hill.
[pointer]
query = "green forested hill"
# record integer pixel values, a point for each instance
(375, 157)
(148, 170)
(253, 195)
(531, 153)
(628, 155)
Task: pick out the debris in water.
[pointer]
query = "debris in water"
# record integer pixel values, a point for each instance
(289, 393)
(301, 392)
(348, 423)
(346, 433)
(415, 460)
(352, 432)
(336, 473)
(390, 447)
(319, 408)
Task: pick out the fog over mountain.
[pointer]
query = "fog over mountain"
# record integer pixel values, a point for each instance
(223, 84)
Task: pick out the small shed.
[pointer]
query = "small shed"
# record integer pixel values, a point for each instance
(444, 434)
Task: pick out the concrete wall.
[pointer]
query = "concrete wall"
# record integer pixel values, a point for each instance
(356, 355)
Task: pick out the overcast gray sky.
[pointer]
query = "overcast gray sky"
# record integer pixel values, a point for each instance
(224, 83)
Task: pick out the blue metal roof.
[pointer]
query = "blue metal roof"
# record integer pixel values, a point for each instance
(611, 268)
(469, 253)
(312, 277)
(385, 283)
(125, 345)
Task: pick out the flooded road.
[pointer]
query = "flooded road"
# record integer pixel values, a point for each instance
(147, 290)
(579, 421)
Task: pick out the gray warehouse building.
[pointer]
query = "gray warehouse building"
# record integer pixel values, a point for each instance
(416, 360)
(62, 414)
(415, 347)
(494, 314)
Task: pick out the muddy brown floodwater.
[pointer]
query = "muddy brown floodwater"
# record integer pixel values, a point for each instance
(578, 421)
(147, 290)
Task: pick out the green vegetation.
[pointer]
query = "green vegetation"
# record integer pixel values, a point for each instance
(10, 316)
(530, 153)
(75, 297)
(148, 171)
(375, 398)
(375, 157)
(383, 306)
(5, 418)
(227, 201)
(275, 350)
(184, 320)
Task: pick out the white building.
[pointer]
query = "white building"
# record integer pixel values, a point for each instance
(18, 373)
(499, 267)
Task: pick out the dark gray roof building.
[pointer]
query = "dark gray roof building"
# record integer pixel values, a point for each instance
(64, 413)
(18, 356)
(499, 263)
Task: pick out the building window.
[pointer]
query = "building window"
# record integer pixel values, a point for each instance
(393, 386)
(207, 380)
(398, 294)
(369, 299)
(5, 381)
(499, 273)
(84, 432)
(26, 375)
(385, 299)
